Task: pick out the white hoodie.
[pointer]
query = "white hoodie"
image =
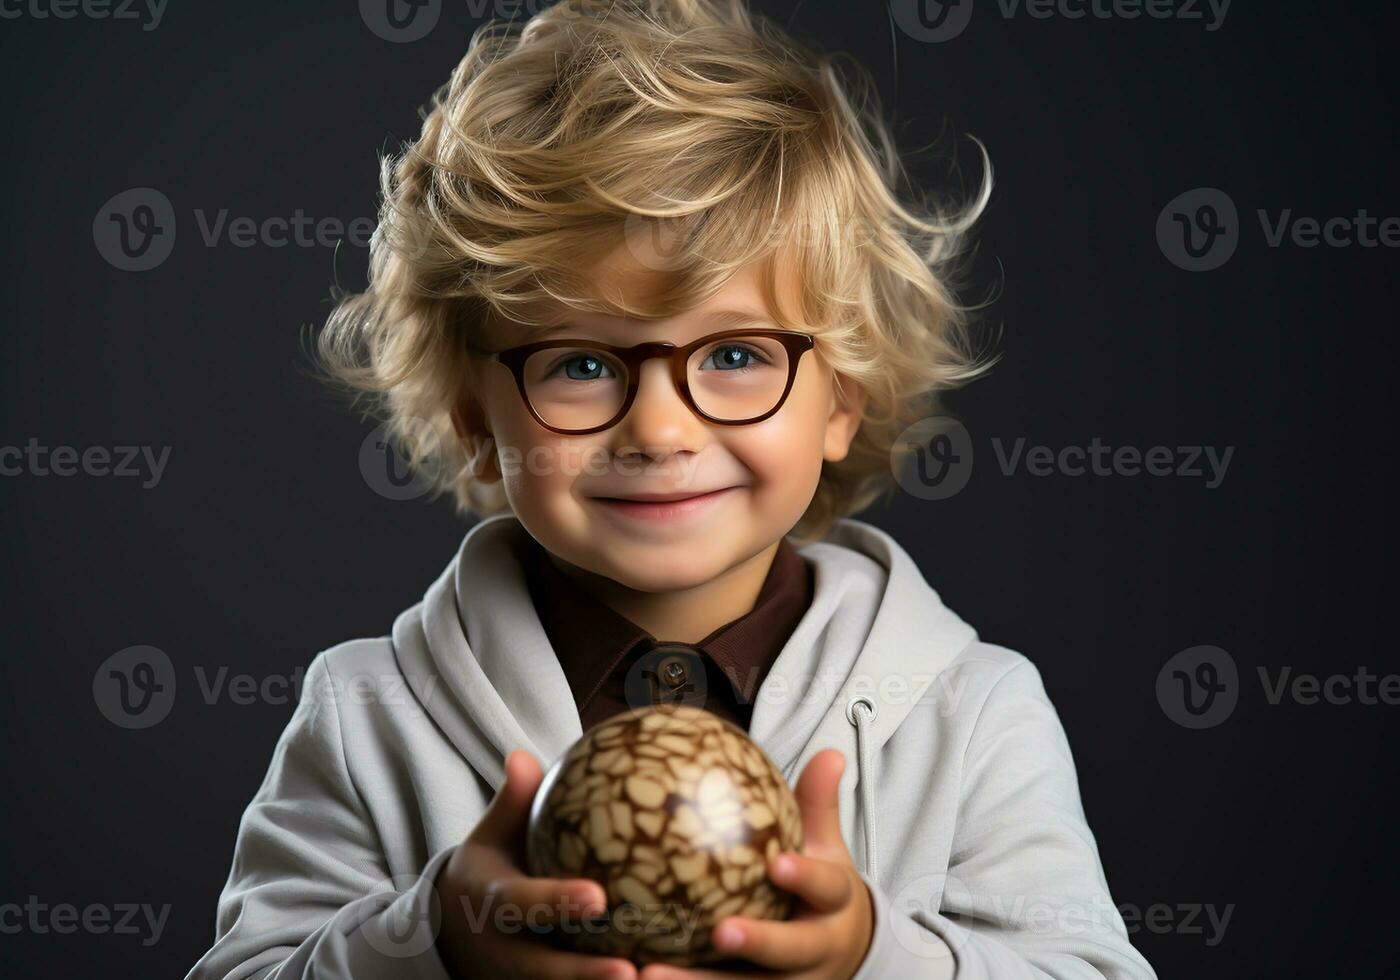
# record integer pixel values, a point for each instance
(959, 803)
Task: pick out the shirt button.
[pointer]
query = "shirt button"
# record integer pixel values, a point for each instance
(673, 672)
(667, 673)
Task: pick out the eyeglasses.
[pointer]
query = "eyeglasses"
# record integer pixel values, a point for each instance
(736, 377)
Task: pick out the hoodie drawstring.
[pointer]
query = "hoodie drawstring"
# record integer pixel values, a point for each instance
(860, 712)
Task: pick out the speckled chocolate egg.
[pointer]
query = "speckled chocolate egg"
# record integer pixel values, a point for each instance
(675, 811)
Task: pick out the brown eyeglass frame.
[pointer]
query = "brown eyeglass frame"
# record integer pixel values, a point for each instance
(632, 358)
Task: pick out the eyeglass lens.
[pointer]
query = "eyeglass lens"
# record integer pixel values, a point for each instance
(733, 379)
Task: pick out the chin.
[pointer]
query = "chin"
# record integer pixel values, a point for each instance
(661, 567)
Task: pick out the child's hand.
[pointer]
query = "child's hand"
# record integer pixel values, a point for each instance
(829, 934)
(485, 873)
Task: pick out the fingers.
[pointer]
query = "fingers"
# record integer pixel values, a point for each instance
(788, 946)
(661, 971)
(795, 944)
(529, 959)
(508, 811)
(824, 885)
(548, 900)
(817, 797)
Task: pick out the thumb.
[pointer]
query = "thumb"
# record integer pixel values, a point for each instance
(817, 795)
(509, 810)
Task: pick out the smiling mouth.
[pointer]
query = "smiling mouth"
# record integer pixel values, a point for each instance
(663, 510)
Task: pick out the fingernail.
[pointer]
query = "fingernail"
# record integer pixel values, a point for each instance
(729, 936)
(784, 866)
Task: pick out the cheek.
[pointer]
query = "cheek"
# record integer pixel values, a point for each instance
(525, 453)
(539, 468)
(784, 453)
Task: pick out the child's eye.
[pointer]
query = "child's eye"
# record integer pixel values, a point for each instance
(733, 357)
(585, 367)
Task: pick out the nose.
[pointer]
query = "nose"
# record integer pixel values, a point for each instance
(659, 423)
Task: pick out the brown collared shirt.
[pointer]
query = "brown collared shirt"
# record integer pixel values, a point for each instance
(613, 665)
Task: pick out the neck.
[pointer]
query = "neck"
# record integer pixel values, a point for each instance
(684, 615)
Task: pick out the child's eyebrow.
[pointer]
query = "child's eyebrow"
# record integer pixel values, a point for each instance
(726, 319)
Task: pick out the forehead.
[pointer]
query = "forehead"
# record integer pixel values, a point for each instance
(742, 301)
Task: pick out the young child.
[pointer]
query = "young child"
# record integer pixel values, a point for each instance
(644, 298)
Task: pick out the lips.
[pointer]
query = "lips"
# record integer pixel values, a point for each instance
(664, 507)
(661, 498)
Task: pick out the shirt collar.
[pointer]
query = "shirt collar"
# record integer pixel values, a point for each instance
(591, 639)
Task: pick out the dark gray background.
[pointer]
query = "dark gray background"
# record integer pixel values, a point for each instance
(263, 543)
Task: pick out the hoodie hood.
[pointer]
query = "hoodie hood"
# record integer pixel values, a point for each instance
(874, 638)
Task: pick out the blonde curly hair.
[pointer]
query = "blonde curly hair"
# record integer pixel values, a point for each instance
(556, 136)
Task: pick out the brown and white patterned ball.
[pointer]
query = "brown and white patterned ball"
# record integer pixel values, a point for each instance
(675, 811)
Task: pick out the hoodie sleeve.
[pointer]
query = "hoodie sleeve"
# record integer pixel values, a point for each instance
(1025, 894)
(309, 895)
